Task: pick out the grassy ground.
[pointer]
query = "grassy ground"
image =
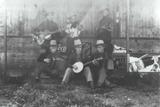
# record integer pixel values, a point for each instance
(49, 93)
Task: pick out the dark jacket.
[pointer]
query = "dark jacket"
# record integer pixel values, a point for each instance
(72, 58)
(105, 21)
(47, 55)
(48, 25)
(53, 59)
(42, 56)
(101, 63)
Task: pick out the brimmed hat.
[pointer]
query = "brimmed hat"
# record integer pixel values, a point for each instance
(77, 42)
(99, 42)
(53, 43)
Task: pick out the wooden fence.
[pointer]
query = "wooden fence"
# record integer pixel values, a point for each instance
(23, 16)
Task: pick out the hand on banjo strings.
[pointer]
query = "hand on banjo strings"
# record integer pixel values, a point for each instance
(75, 67)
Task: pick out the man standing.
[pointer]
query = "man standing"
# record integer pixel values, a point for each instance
(75, 57)
(105, 24)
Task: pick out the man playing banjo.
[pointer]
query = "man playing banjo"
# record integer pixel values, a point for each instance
(77, 56)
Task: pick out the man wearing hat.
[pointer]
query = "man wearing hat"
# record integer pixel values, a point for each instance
(48, 62)
(100, 65)
(77, 56)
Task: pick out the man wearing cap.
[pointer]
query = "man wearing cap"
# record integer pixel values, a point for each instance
(48, 62)
(73, 58)
(100, 65)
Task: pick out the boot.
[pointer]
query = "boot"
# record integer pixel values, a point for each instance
(99, 85)
(63, 83)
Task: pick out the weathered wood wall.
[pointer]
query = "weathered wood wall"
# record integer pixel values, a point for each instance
(21, 53)
(28, 14)
(24, 15)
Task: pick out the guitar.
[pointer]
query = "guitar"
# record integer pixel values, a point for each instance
(78, 66)
(107, 27)
(47, 35)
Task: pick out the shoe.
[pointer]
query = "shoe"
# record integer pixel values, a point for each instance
(91, 84)
(37, 79)
(63, 83)
(109, 84)
(99, 85)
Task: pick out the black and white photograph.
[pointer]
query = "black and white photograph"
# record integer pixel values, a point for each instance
(79, 53)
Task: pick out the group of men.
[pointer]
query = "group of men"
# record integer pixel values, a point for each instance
(94, 68)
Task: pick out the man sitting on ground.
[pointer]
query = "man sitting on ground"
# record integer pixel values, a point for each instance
(47, 62)
(75, 57)
(100, 66)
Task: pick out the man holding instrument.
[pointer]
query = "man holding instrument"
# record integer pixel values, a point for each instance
(77, 56)
(47, 63)
(100, 67)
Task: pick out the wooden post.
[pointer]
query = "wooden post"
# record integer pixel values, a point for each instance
(127, 33)
(5, 43)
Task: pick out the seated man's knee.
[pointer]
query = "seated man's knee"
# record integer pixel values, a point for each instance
(88, 74)
(68, 70)
(87, 70)
(103, 70)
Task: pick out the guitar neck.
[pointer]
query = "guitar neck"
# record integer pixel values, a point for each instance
(48, 32)
(97, 59)
(55, 31)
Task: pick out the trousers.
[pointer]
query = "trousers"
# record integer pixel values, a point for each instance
(86, 72)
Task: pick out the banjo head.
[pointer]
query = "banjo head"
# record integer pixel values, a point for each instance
(79, 66)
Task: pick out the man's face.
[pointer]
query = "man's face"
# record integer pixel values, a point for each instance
(100, 49)
(78, 49)
(41, 36)
(53, 49)
(73, 18)
(105, 13)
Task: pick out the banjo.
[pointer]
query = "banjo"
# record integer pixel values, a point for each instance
(78, 66)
